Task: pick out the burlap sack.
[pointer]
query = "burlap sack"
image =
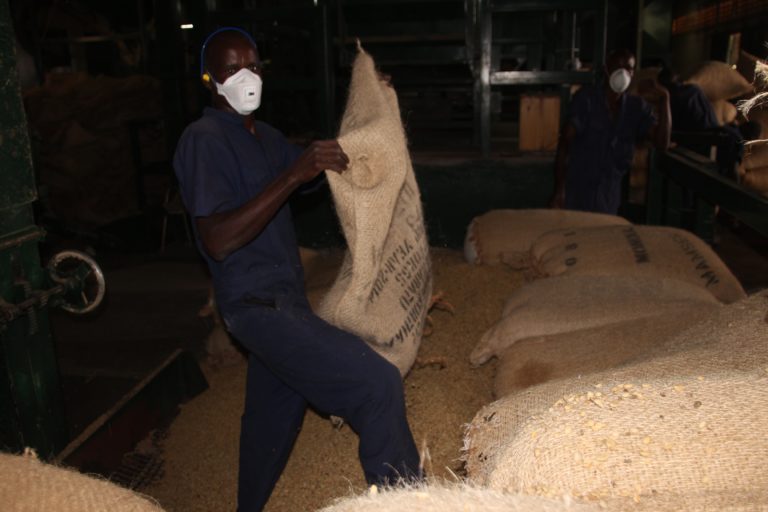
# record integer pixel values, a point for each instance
(759, 114)
(383, 289)
(676, 439)
(28, 485)
(579, 353)
(682, 427)
(755, 154)
(719, 81)
(570, 303)
(757, 180)
(635, 251)
(746, 65)
(725, 111)
(504, 235)
(451, 498)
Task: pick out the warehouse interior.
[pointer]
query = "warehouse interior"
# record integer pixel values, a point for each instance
(109, 361)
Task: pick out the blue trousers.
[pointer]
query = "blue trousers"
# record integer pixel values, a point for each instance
(297, 359)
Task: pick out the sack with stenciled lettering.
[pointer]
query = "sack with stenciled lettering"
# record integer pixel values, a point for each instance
(502, 236)
(383, 289)
(637, 251)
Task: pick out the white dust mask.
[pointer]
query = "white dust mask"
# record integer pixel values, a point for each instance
(242, 90)
(619, 80)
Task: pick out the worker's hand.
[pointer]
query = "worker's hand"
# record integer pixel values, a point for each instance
(558, 200)
(320, 156)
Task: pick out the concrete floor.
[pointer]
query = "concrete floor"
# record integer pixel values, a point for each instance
(150, 310)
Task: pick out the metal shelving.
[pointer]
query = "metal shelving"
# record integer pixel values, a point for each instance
(485, 14)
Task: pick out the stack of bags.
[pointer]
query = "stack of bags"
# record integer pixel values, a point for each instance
(753, 173)
(632, 372)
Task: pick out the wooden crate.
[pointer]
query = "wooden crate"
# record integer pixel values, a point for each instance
(539, 122)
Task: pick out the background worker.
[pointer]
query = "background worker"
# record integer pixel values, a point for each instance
(597, 143)
(693, 112)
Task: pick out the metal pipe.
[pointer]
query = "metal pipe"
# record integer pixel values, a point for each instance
(32, 235)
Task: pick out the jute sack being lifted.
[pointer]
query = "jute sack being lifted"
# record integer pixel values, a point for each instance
(565, 304)
(682, 428)
(504, 235)
(579, 353)
(641, 251)
(28, 485)
(383, 289)
(719, 81)
(451, 498)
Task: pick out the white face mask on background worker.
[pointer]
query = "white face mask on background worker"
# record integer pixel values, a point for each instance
(242, 91)
(619, 80)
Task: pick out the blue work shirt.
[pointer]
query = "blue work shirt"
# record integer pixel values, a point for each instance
(601, 153)
(220, 165)
(690, 108)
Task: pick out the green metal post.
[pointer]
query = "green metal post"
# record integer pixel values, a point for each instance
(31, 411)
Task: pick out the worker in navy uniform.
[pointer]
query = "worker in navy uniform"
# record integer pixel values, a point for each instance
(236, 175)
(598, 140)
(693, 112)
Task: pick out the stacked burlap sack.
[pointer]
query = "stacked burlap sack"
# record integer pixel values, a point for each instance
(503, 235)
(682, 426)
(641, 251)
(552, 309)
(383, 289)
(753, 172)
(603, 295)
(28, 485)
(756, 108)
(451, 497)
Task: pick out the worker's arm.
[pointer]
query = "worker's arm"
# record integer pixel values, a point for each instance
(225, 232)
(561, 165)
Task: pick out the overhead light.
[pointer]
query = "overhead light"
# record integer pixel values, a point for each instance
(187, 26)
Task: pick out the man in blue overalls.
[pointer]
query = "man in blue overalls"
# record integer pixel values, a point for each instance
(598, 140)
(236, 175)
(693, 112)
